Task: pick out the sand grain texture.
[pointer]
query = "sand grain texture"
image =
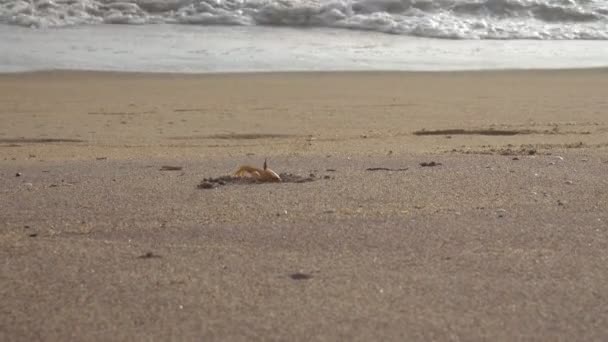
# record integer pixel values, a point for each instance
(105, 236)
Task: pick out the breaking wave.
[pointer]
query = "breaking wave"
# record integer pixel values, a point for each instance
(453, 19)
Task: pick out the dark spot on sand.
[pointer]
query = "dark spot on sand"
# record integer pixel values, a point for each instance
(178, 110)
(234, 136)
(18, 174)
(149, 255)
(38, 140)
(430, 164)
(206, 185)
(385, 169)
(300, 276)
(32, 234)
(509, 151)
(170, 168)
(120, 113)
(210, 183)
(488, 131)
(330, 170)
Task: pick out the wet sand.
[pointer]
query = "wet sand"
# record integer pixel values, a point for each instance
(503, 237)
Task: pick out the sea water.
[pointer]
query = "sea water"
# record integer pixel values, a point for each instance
(290, 35)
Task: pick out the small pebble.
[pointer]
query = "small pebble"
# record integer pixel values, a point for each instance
(569, 182)
(326, 177)
(18, 174)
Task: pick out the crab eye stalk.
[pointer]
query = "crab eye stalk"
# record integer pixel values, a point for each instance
(265, 167)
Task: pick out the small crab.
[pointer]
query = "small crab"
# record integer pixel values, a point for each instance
(260, 175)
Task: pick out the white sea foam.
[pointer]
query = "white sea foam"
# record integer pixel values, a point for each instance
(190, 48)
(455, 19)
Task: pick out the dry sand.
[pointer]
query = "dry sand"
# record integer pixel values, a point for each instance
(505, 239)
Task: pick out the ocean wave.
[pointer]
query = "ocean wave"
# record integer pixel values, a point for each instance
(453, 19)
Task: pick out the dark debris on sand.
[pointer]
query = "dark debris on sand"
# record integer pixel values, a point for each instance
(149, 255)
(430, 164)
(300, 276)
(385, 169)
(211, 183)
(170, 168)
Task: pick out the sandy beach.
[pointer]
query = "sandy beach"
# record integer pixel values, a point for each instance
(442, 206)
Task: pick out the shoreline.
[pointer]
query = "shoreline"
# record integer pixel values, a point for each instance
(168, 48)
(59, 72)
